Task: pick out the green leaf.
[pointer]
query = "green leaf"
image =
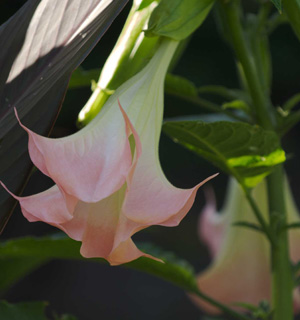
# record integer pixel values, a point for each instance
(277, 4)
(292, 9)
(27, 311)
(34, 81)
(174, 270)
(244, 151)
(65, 317)
(11, 270)
(180, 86)
(229, 94)
(178, 19)
(23, 311)
(237, 104)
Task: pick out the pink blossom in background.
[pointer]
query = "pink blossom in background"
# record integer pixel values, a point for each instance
(240, 267)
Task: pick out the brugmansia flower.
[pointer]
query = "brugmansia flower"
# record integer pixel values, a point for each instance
(109, 183)
(240, 271)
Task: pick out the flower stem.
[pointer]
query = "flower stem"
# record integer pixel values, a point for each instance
(282, 281)
(282, 285)
(210, 106)
(264, 225)
(260, 103)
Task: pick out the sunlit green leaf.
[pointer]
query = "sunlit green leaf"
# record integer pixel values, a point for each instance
(244, 151)
(35, 70)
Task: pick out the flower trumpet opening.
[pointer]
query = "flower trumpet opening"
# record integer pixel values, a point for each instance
(109, 183)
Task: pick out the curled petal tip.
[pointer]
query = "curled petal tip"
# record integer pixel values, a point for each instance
(206, 180)
(213, 176)
(5, 187)
(20, 123)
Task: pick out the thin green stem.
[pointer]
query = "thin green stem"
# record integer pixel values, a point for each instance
(210, 106)
(261, 104)
(263, 223)
(218, 90)
(289, 122)
(281, 271)
(264, 14)
(226, 310)
(291, 103)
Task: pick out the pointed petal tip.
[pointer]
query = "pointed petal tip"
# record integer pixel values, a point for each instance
(211, 177)
(12, 194)
(20, 123)
(205, 180)
(145, 255)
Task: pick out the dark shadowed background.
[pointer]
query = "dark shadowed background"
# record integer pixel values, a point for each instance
(92, 291)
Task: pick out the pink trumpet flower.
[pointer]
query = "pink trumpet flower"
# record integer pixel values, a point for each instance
(108, 180)
(240, 270)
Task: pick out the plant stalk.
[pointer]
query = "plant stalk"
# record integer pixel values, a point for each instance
(261, 103)
(282, 281)
(282, 285)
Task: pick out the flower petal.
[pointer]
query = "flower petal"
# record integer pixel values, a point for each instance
(163, 201)
(240, 272)
(107, 233)
(102, 221)
(48, 206)
(237, 278)
(91, 164)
